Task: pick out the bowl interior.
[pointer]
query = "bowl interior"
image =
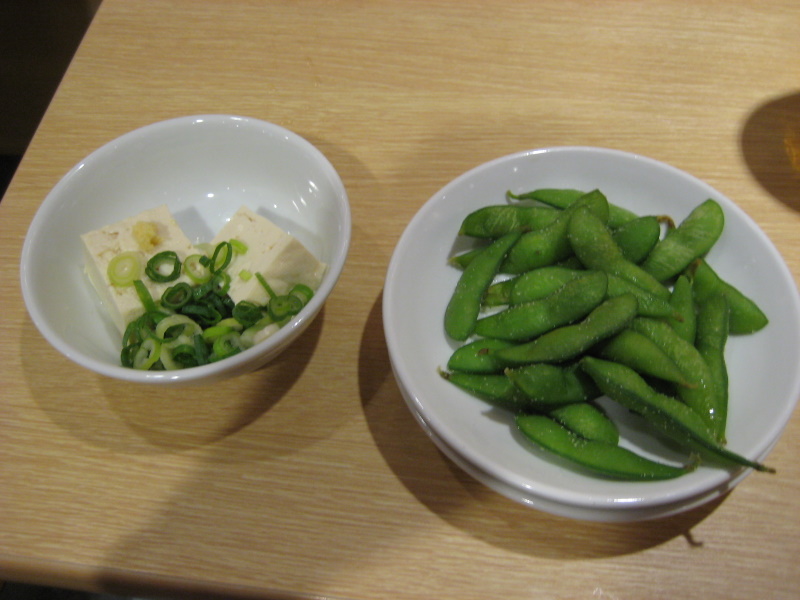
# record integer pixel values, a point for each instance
(764, 381)
(203, 168)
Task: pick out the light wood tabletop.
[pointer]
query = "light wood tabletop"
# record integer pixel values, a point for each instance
(310, 477)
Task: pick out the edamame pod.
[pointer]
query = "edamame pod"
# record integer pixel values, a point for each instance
(464, 306)
(745, 315)
(571, 302)
(494, 389)
(564, 198)
(699, 395)
(599, 457)
(570, 341)
(496, 220)
(640, 353)
(669, 416)
(551, 386)
(638, 237)
(712, 335)
(690, 240)
(477, 357)
(682, 301)
(550, 245)
(593, 244)
(587, 420)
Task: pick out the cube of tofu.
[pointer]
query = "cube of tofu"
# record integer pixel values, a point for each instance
(278, 256)
(149, 232)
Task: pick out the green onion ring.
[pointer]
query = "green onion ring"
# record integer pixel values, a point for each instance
(196, 268)
(247, 313)
(283, 307)
(303, 292)
(175, 296)
(238, 246)
(223, 254)
(155, 267)
(144, 296)
(125, 268)
(147, 354)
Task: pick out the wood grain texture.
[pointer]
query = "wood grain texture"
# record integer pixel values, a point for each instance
(310, 478)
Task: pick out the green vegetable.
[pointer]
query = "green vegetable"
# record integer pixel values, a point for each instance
(164, 267)
(125, 268)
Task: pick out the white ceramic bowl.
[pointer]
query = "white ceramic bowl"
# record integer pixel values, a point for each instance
(203, 168)
(764, 378)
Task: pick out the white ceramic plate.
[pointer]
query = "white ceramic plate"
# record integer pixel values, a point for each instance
(764, 379)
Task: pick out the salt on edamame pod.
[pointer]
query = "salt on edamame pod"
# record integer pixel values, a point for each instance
(640, 353)
(570, 341)
(499, 293)
(549, 245)
(690, 240)
(496, 220)
(713, 320)
(699, 395)
(564, 198)
(638, 237)
(477, 357)
(669, 416)
(745, 314)
(572, 301)
(602, 458)
(594, 245)
(551, 386)
(464, 306)
(587, 420)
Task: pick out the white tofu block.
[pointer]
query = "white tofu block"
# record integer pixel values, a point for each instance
(279, 257)
(102, 245)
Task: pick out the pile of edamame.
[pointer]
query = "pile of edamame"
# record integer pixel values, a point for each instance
(570, 298)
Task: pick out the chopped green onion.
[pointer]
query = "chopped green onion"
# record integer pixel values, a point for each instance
(195, 268)
(158, 267)
(147, 354)
(125, 268)
(283, 307)
(212, 333)
(270, 292)
(245, 275)
(247, 313)
(226, 345)
(175, 296)
(174, 326)
(223, 254)
(232, 323)
(303, 292)
(205, 314)
(238, 246)
(221, 283)
(144, 296)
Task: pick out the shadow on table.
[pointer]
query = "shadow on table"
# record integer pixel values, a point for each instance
(770, 142)
(469, 505)
(166, 419)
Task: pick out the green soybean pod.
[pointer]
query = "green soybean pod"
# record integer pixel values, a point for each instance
(464, 306)
(639, 352)
(745, 314)
(550, 245)
(690, 240)
(684, 321)
(564, 198)
(499, 293)
(594, 245)
(494, 389)
(572, 301)
(462, 261)
(713, 320)
(496, 220)
(638, 237)
(587, 420)
(670, 417)
(699, 395)
(571, 341)
(609, 460)
(550, 386)
(477, 357)
(540, 283)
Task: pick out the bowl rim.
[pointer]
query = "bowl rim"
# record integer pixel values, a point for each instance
(232, 364)
(577, 502)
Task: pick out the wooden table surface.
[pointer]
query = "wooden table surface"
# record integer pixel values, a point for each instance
(310, 478)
